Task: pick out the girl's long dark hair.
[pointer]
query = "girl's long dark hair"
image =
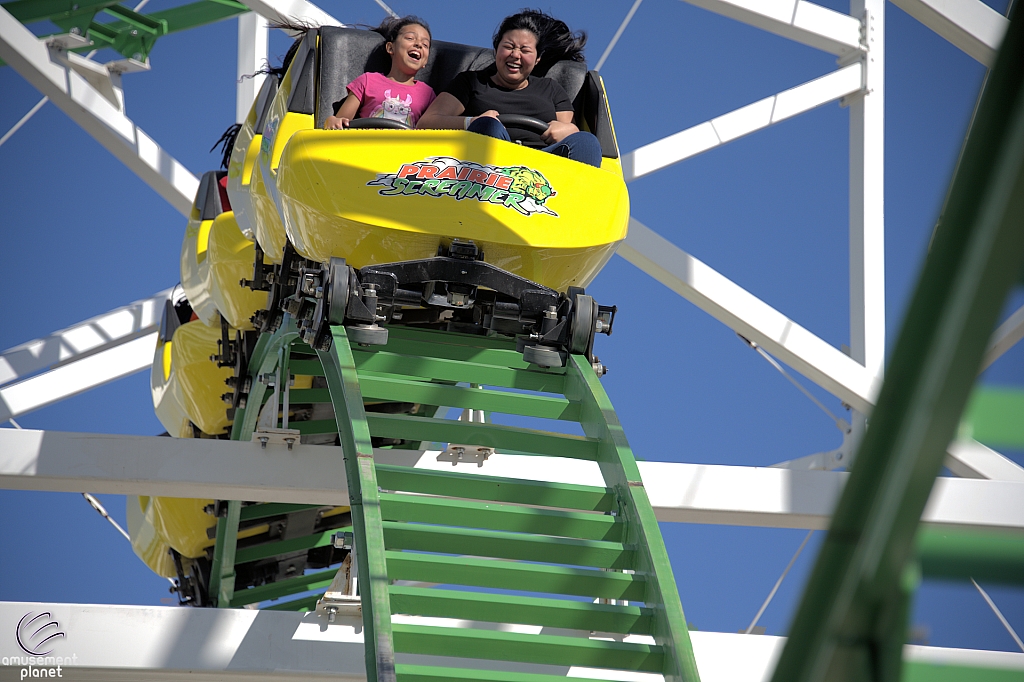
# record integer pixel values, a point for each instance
(299, 30)
(392, 26)
(555, 41)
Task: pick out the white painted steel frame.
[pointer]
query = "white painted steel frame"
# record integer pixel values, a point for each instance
(291, 12)
(867, 206)
(91, 109)
(83, 339)
(747, 315)
(1005, 337)
(971, 459)
(253, 36)
(209, 645)
(798, 20)
(971, 25)
(741, 122)
(681, 493)
(77, 377)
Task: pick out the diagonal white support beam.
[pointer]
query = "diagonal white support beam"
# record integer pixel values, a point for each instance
(684, 493)
(1005, 337)
(804, 22)
(291, 11)
(971, 459)
(749, 316)
(743, 121)
(83, 339)
(971, 25)
(77, 377)
(87, 107)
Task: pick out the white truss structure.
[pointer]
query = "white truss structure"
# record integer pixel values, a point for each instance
(265, 645)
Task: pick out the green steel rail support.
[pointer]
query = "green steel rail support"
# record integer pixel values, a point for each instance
(364, 501)
(131, 34)
(618, 466)
(851, 622)
(222, 573)
(495, 536)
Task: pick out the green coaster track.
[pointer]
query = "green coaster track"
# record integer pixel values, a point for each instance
(594, 553)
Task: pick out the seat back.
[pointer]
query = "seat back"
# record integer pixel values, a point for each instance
(345, 53)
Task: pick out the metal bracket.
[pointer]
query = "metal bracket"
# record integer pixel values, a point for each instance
(825, 461)
(273, 436)
(457, 452)
(341, 597)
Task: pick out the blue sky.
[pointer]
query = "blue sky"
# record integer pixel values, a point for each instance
(82, 235)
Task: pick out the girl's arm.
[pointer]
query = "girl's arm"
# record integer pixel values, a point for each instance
(445, 113)
(561, 128)
(346, 112)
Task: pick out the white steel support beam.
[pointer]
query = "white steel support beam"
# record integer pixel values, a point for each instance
(253, 35)
(83, 339)
(291, 12)
(686, 493)
(91, 109)
(971, 459)
(743, 121)
(749, 316)
(971, 25)
(867, 205)
(77, 377)
(798, 20)
(113, 643)
(1005, 337)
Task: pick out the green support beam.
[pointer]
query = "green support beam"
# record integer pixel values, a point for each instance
(852, 620)
(995, 417)
(130, 33)
(962, 555)
(364, 500)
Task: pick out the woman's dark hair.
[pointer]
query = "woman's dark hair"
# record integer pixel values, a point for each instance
(392, 26)
(555, 41)
(227, 144)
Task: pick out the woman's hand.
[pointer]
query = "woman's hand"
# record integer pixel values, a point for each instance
(336, 123)
(559, 130)
(490, 113)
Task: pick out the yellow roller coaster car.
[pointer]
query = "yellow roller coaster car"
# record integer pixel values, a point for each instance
(384, 196)
(244, 151)
(194, 262)
(202, 381)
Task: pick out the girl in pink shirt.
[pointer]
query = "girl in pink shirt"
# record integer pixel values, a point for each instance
(397, 96)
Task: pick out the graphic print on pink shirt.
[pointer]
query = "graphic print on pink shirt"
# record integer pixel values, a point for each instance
(381, 97)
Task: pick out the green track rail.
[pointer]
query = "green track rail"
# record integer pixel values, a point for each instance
(543, 576)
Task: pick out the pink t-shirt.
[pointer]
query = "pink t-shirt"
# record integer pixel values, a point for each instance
(381, 97)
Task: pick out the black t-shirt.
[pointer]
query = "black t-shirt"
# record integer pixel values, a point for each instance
(540, 99)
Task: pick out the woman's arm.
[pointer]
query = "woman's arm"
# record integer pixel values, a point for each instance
(346, 112)
(561, 128)
(445, 113)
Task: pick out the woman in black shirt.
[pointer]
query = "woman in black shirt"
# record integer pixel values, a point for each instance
(474, 99)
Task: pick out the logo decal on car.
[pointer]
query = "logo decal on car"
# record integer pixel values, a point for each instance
(516, 187)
